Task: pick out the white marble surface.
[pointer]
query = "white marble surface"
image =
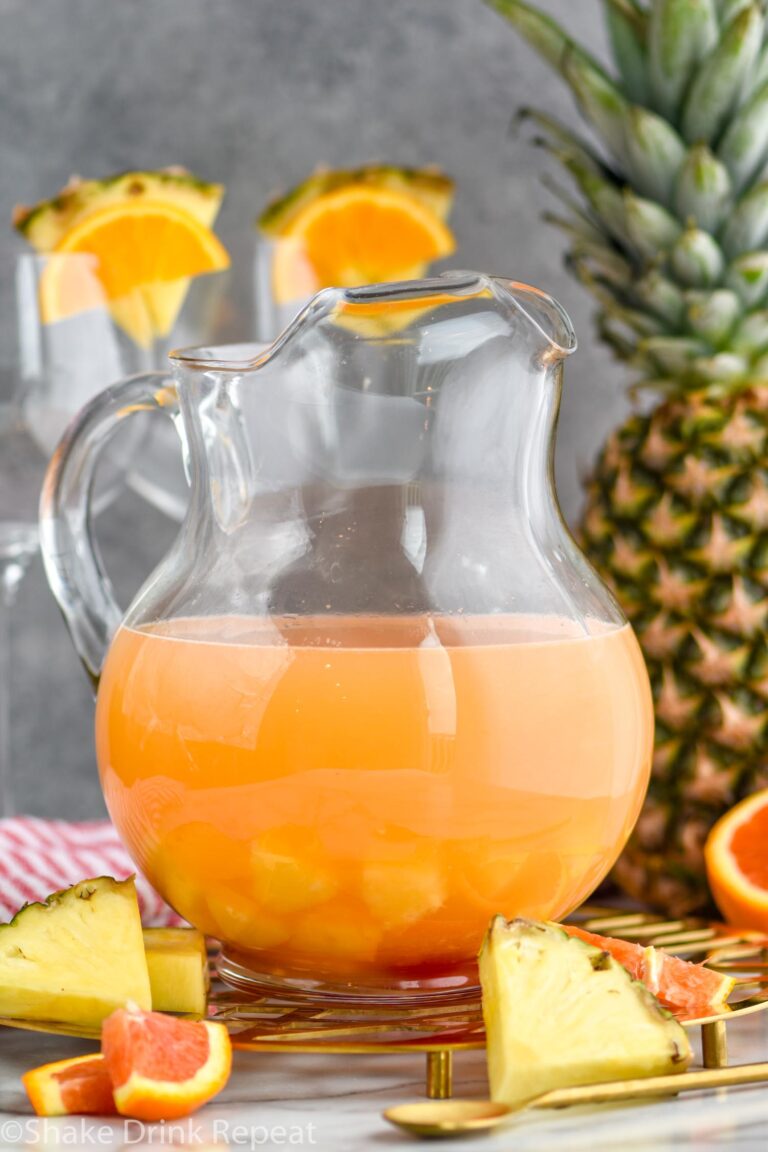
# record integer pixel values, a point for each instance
(335, 1103)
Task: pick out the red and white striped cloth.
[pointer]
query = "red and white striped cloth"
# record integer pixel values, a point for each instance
(38, 857)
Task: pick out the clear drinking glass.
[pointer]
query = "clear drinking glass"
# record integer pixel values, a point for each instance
(64, 363)
(22, 468)
(374, 694)
(271, 314)
(55, 355)
(69, 348)
(61, 343)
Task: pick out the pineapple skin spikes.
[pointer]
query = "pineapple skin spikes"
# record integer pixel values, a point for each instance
(44, 224)
(675, 521)
(669, 232)
(75, 958)
(560, 1013)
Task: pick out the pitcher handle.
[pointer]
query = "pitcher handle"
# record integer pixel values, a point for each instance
(71, 556)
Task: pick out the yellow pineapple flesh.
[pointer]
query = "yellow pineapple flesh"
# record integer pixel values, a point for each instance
(177, 961)
(559, 1013)
(75, 958)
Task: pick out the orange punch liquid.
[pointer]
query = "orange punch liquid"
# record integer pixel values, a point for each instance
(354, 798)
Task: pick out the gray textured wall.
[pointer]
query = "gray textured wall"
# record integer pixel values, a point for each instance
(256, 93)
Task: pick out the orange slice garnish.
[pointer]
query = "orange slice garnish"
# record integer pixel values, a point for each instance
(143, 254)
(357, 235)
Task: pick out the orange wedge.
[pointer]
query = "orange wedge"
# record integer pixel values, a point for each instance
(689, 990)
(162, 1067)
(355, 235)
(80, 1085)
(736, 855)
(142, 253)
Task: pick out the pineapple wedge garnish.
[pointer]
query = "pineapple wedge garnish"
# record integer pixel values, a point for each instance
(75, 958)
(559, 1013)
(47, 224)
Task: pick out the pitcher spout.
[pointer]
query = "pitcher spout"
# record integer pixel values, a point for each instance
(549, 322)
(419, 313)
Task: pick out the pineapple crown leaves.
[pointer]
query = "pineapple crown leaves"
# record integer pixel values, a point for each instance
(669, 227)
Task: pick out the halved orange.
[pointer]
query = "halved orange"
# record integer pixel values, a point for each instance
(143, 253)
(736, 855)
(691, 991)
(356, 235)
(79, 1085)
(162, 1067)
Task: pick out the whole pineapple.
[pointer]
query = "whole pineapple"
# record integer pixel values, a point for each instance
(670, 233)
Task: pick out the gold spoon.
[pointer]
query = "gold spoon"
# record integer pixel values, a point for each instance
(449, 1118)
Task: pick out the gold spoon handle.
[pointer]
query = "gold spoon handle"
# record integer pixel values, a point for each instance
(654, 1086)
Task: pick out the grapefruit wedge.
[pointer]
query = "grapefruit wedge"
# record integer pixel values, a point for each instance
(691, 991)
(160, 1067)
(80, 1085)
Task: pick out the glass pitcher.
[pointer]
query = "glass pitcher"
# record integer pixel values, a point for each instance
(374, 694)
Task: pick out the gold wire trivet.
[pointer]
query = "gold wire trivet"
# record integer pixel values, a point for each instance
(259, 1023)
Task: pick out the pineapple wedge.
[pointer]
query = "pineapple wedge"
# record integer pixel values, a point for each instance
(559, 1012)
(177, 960)
(75, 958)
(45, 225)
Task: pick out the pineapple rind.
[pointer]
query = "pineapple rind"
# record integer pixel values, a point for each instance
(75, 958)
(559, 1013)
(696, 596)
(432, 188)
(44, 224)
